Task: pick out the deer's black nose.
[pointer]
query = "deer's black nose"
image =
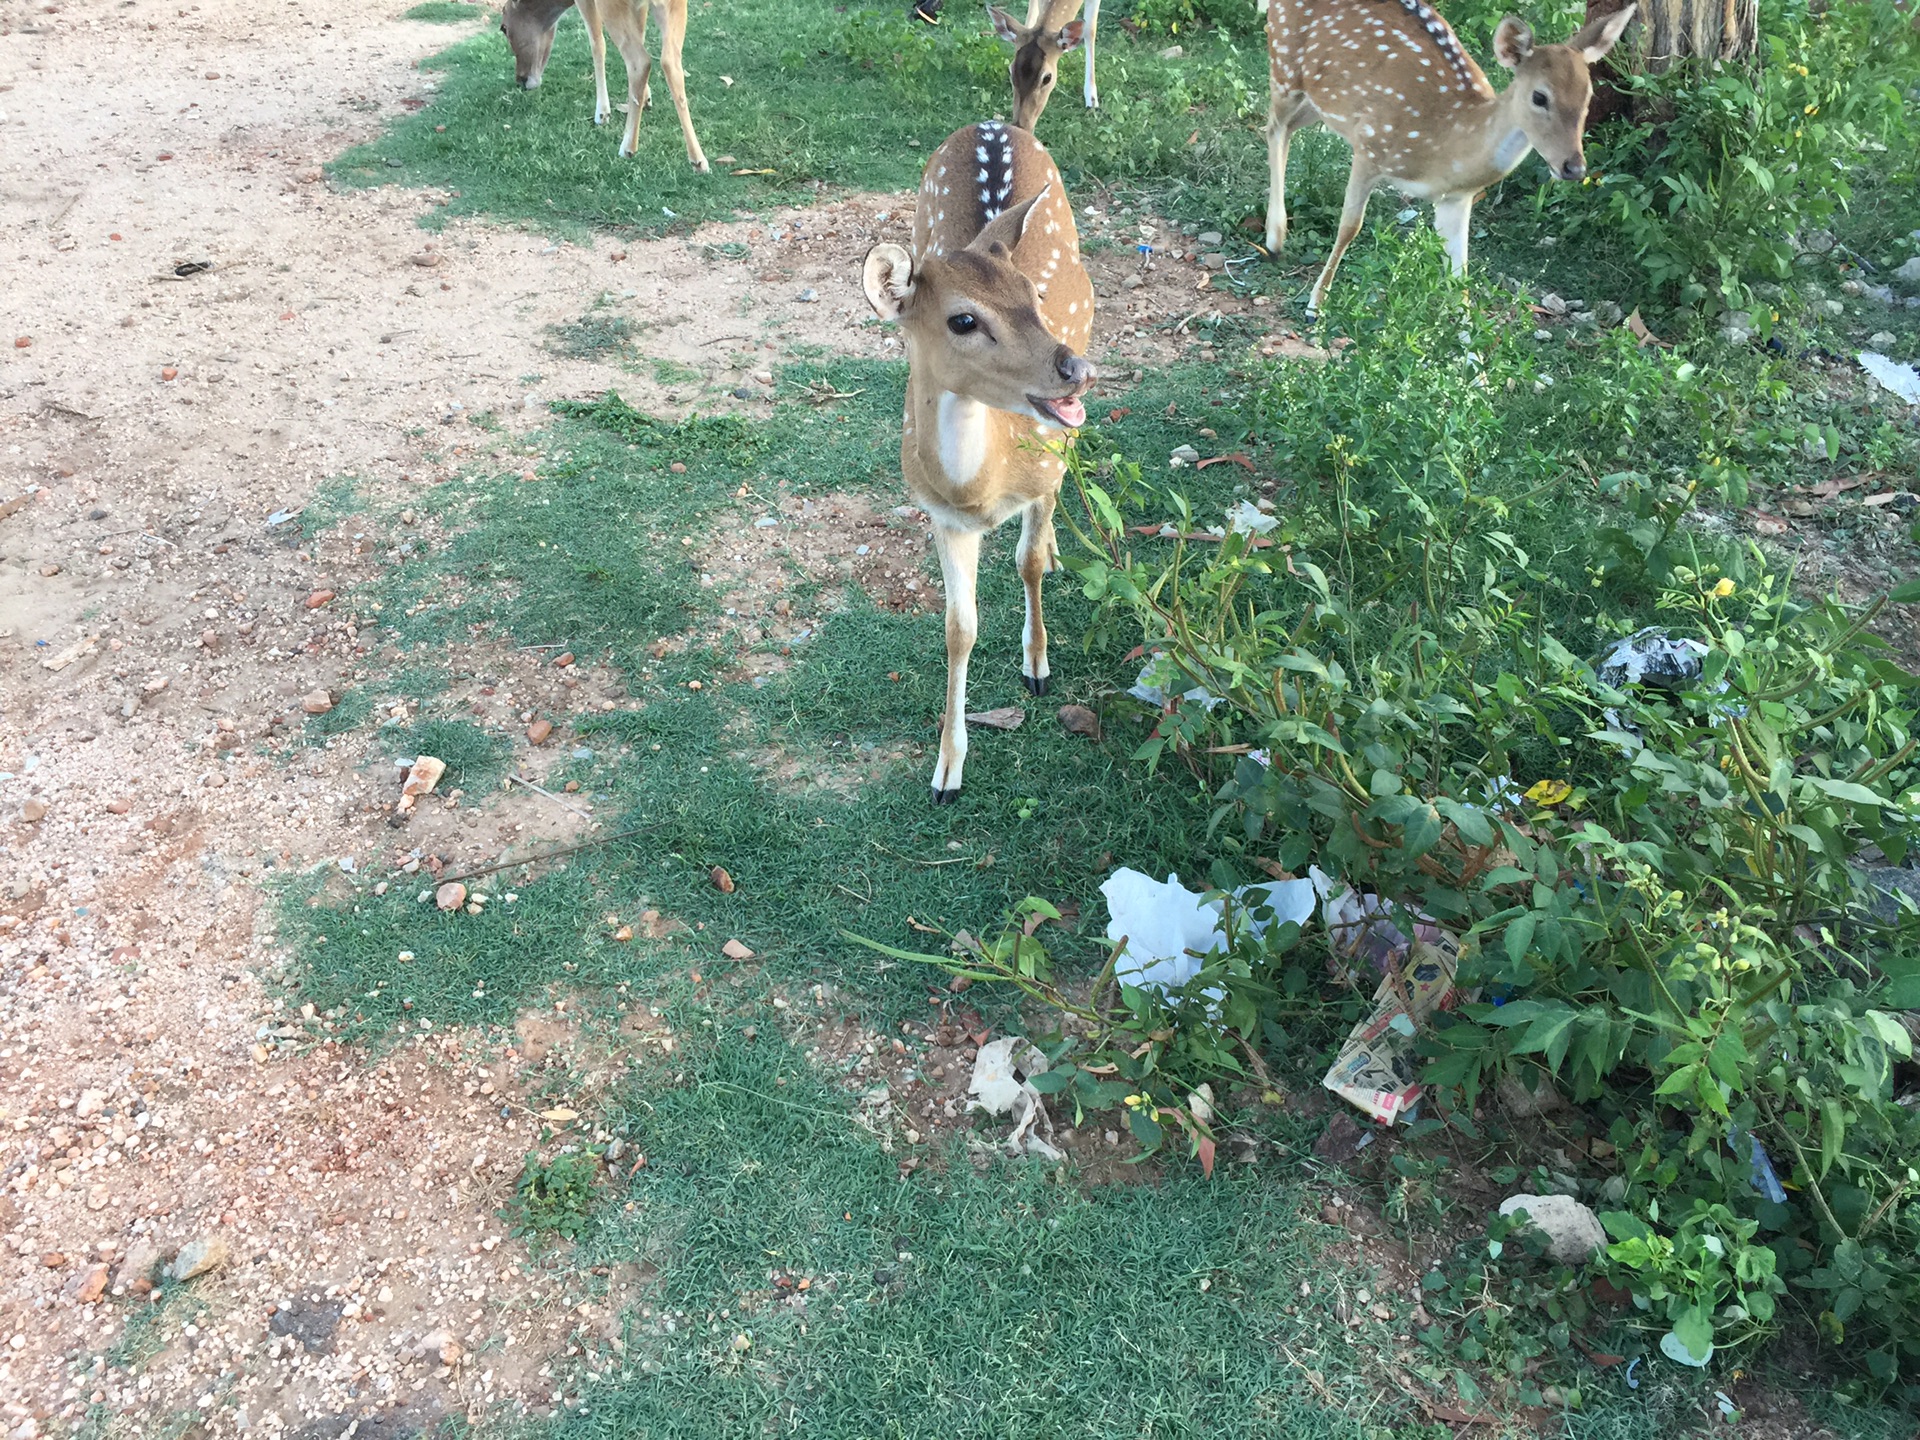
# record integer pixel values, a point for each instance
(1574, 169)
(1076, 370)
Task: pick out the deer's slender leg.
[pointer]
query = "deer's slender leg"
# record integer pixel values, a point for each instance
(673, 36)
(1450, 216)
(959, 564)
(1352, 212)
(633, 49)
(1090, 91)
(1282, 120)
(1036, 555)
(597, 43)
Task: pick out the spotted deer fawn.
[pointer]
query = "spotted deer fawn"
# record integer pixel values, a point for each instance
(529, 26)
(997, 310)
(1392, 79)
(1049, 33)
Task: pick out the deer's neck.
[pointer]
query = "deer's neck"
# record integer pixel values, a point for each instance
(1501, 143)
(954, 436)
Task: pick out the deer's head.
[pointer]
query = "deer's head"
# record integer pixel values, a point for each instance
(973, 326)
(1036, 61)
(528, 26)
(1551, 85)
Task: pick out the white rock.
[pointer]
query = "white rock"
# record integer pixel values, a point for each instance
(1909, 273)
(1574, 1235)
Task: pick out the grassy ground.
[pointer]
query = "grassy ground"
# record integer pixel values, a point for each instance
(955, 1302)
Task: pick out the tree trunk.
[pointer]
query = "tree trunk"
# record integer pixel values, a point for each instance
(1670, 32)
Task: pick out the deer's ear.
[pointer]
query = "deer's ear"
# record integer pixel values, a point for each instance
(1001, 235)
(888, 278)
(1595, 40)
(1512, 42)
(1071, 36)
(1004, 25)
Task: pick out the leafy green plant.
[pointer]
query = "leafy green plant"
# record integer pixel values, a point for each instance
(1707, 1282)
(555, 1197)
(1656, 886)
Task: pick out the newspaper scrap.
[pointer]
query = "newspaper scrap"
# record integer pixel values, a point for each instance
(1377, 1070)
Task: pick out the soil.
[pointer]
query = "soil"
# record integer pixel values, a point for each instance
(164, 622)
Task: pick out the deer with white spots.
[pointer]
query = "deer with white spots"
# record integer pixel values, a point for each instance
(1050, 32)
(997, 310)
(1392, 79)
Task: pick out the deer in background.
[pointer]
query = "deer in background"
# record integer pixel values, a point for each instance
(997, 310)
(1392, 79)
(1049, 33)
(529, 26)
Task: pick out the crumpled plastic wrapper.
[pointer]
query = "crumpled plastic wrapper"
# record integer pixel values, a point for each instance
(1170, 930)
(1000, 1087)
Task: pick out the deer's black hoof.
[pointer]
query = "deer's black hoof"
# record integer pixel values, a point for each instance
(1036, 684)
(946, 797)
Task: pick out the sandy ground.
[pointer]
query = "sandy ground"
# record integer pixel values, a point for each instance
(159, 636)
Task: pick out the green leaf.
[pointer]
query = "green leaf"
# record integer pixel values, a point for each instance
(1519, 937)
(1848, 791)
(1471, 823)
(1691, 1337)
(1145, 1128)
(1052, 1082)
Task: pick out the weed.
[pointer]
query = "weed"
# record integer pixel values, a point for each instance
(555, 1197)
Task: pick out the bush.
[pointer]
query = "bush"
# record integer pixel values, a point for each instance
(1658, 890)
(1734, 165)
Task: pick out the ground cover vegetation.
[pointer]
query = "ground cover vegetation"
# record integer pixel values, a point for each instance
(1661, 893)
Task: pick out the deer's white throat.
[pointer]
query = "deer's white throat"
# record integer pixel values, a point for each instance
(962, 434)
(1511, 150)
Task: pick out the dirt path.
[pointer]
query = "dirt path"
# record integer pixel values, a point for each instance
(159, 635)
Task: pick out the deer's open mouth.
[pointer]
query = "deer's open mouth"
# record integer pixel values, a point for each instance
(1067, 409)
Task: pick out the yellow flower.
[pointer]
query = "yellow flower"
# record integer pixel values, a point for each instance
(1811, 110)
(1549, 792)
(1723, 589)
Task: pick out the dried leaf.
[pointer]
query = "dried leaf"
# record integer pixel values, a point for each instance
(1765, 524)
(722, 881)
(734, 950)
(1007, 717)
(1079, 720)
(1642, 333)
(560, 1115)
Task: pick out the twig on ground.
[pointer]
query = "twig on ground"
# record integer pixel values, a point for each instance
(542, 790)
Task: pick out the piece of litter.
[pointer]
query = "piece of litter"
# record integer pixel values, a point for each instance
(1156, 682)
(1169, 930)
(1902, 380)
(280, 517)
(1377, 1069)
(1001, 1085)
(1247, 518)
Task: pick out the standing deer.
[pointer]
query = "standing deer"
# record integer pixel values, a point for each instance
(1391, 78)
(1049, 33)
(529, 26)
(997, 310)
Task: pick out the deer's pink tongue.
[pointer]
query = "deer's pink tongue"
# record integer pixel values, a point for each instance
(1068, 411)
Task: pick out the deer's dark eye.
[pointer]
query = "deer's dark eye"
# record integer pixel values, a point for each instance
(1046, 79)
(962, 324)
(1540, 99)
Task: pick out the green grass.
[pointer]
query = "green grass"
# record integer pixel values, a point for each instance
(952, 1303)
(445, 12)
(474, 759)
